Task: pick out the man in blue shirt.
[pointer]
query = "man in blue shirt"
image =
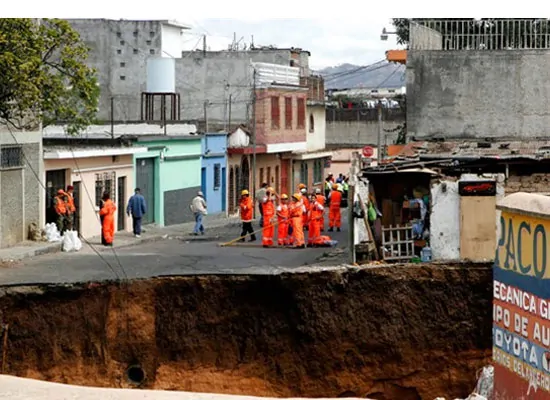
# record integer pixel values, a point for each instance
(136, 208)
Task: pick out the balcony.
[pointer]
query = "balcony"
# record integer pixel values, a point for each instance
(316, 88)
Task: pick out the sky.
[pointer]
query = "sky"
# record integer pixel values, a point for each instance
(341, 41)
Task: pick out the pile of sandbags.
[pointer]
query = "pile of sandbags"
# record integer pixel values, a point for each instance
(52, 233)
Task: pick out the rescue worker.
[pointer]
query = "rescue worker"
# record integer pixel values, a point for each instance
(334, 214)
(246, 207)
(268, 211)
(60, 207)
(296, 215)
(283, 221)
(259, 197)
(303, 192)
(107, 213)
(71, 209)
(315, 222)
(323, 201)
(328, 185)
(345, 185)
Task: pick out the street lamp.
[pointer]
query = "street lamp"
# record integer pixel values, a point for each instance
(385, 33)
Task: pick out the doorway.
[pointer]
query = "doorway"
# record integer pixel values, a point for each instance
(224, 189)
(203, 181)
(145, 180)
(78, 205)
(121, 201)
(55, 180)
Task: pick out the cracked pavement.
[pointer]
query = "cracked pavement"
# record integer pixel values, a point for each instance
(170, 257)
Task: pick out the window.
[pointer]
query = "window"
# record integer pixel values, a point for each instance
(148, 42)
(152, 51)
(11, 157)
(288, 112)
(318, 171)
(311, 123)
(122, 78)
(136, 51)
(122, 64)
(301, 114)
(217, 176)
(119, 51)
(122, 42)
(135, 33)
(269, 176)
(104, 183)
(275, 113)
(304, 173)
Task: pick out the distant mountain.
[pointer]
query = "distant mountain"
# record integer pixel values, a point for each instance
(349, 76)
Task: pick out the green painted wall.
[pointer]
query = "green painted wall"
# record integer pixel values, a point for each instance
(172, 174)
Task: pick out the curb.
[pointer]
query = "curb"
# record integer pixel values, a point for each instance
(53, 247)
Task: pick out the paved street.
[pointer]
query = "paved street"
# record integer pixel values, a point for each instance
(168, 257)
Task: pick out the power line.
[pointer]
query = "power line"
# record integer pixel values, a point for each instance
(46, 190)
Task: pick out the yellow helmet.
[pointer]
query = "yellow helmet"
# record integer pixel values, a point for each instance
(335, 186)
(297, 196)
(271, 190)
(301, 186)
(245, 192)
(284, 196)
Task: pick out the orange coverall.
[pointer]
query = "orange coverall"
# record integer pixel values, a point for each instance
(296, 215)
(334, 215)
(108, 226)
(305, 217)
(283, 220)
(315, 223)
(323, 201)
(268, 208)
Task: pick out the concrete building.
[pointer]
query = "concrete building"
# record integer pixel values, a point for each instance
(214, 171)
(21, 169)
(479, 85)
(119, 50)
(93, 166)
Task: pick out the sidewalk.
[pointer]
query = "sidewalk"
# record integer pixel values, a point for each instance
(150, 233)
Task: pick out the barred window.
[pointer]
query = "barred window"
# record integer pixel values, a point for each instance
(11, 156)
(217, 176)
(104, 183)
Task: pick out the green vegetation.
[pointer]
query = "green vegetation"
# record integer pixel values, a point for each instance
(44, 76)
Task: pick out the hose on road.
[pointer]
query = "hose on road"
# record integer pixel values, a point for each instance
(232, 242)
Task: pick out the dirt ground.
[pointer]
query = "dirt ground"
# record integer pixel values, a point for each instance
(399, 333)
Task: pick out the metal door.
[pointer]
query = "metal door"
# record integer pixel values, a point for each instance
(78, 205)
(121, 203)
(55, 180)
(224, 189)
(203, 181)
(145, 180)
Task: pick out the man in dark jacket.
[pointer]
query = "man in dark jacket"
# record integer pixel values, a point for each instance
(136, 208)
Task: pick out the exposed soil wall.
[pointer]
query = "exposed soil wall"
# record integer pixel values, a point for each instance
(400, 332)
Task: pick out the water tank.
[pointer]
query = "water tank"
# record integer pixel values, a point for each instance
(161, 75)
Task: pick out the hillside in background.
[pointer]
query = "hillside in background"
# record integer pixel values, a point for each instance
(349, 76)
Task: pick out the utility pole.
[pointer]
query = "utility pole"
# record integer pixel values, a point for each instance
(206, 116)
(379, 139)
(254, 138)
(204, 45)
(229, 113)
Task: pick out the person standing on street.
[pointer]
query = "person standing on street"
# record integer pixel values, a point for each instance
(323, 201)
(60, 207)
(315, 221)
(268, 206)
(334, 213)
(136, 209)
(296, 211)
(199, 210)
(246, 208)
(71, 209)
(283, 221)
(107, 215)
(260, 194)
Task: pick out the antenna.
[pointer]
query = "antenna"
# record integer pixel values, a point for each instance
(252, 42)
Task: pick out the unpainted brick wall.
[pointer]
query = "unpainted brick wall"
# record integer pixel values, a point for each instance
(534, 183)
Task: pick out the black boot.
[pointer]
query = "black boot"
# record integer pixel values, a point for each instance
(330, 229)
(338, 230)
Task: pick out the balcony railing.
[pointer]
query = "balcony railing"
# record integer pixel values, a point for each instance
(364, 114)
(316, 87)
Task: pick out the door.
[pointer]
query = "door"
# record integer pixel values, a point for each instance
(203, 181)
(277, 188)
(55, 180)
(121, 203)
(145, 180)
(224, 189)
(478, 239)
(78, 205)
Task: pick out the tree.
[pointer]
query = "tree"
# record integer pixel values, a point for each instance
(43, 75)
(485, 33)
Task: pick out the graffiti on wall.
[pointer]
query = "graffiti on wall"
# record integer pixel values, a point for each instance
(521, 308)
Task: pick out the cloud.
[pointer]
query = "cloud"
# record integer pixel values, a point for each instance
(331, 42)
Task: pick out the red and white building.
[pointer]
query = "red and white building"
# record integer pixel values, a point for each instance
(290, 134)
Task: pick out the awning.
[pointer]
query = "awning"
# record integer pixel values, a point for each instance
(312, 155)
(68, 153)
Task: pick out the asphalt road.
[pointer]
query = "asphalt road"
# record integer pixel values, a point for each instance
(168, 257)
